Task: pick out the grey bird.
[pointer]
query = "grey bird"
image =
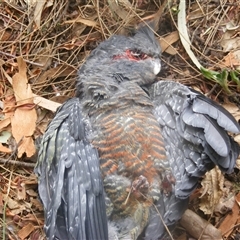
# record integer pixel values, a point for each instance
(125, 154)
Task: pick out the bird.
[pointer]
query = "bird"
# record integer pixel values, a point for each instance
(121, 158)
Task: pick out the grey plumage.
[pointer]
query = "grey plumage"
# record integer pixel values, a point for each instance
(70, 182)
(194, 129)
(128, 147)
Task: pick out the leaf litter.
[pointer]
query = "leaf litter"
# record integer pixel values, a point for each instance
(41, 50)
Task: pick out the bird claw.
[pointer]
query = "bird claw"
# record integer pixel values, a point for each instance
(167, 183)
(140, 184)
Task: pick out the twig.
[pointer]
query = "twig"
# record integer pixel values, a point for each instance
(13, 56)
(18, 163)
(236, 225)
(212, 90)
(160, 216)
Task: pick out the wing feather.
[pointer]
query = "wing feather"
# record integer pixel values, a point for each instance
(194, 129)
(70, 183)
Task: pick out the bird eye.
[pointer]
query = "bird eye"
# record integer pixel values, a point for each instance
(133, 55)
(136, 55)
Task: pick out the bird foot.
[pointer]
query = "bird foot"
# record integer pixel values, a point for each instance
(167, 182)
(140, 184)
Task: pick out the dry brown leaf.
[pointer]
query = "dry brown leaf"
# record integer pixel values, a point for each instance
(24, 119)
(37, 204)
(26, 231)
(26, 145)
(195, 12)
(6, 75)
(4, 123)
(12, 204)
(44, 56)
(168, 41)
(5, 35)
(237, 138)
(212, 190)
(22, 90)
(38, 12)
(31, 193)
(31, 180)
(21, 191)
(232, 108)
(237, 198)
(86, 22)
(235, 111)
(230, 44)
(199, 228)
(231, 60)
(45, 103)
(4, 149)
(30, 3)
(119, 9)
(171, 50)
(59, 99)
(59, 71)
(9, 104)
(227, 225)
(224, 205)
(36, 217)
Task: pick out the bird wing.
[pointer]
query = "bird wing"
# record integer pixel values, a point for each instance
(194, 129)
(70, 183)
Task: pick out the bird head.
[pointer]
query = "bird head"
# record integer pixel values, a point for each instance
(123, 59)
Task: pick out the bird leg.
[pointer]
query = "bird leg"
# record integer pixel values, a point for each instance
(167, 182)
(140, 186)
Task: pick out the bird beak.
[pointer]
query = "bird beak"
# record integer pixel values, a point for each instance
(156, 66)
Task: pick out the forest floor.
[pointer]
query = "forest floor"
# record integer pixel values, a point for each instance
(43, 44)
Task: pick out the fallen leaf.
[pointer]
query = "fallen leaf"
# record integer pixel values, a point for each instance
(227, 225)
(5, 149)
(195, 12)
(31, 193)
(230, 44)
(212, 190)
(38, 12)
(24, 119)
(224, 205)
(231, 60)
(35, 217)
(44, 56)
(120, 10)
(9, 104)
(37, 204)
(26, 231)
(232, 108)
(45, 103)
(12, 204)
(238, 199)
(87, 22)
(168, 41)
(4, 123)
(22, 90)
(21, 191)
(30, 3)
(59, 71)
(26, 145)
